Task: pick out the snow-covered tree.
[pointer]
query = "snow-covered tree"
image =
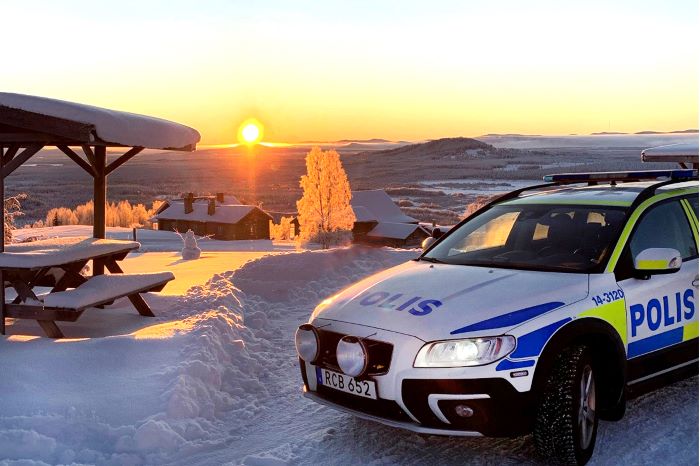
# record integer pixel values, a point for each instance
(325, 215)
(12, 210)
(283, 230)
(121, 214)
(61, 216)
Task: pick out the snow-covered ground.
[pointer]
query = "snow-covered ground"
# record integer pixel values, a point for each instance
(214, 380)
(154, 240)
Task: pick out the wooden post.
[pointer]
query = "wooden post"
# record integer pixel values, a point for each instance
(2, 244)
(99, 201)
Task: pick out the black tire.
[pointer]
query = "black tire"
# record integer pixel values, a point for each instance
(565, 431)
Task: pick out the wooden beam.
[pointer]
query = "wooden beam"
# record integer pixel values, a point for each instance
(77, 159)
(123, 159)
(33, 138)
(37, 312)
(89, 154)
(2, 242)
(58, 128)
(99, 202)
(16, 162)
(10, 153)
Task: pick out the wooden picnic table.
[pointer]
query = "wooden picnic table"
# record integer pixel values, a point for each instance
(57, 264)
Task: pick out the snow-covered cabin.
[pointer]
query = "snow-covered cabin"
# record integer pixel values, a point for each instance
(221, 217)
(379, 220)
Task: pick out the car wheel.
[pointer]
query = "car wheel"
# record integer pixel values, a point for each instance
(567, 422)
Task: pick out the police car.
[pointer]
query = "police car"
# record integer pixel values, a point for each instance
(542, 312)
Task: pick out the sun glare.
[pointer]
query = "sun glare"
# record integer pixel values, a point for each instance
(250, 132)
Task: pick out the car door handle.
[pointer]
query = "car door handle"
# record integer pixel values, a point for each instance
(695, 282)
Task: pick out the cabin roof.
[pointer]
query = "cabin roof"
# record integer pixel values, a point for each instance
(28, 118)
(380, 207)
(222, 214)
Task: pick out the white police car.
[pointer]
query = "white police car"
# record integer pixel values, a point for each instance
(542, 312)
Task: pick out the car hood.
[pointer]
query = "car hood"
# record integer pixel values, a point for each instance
(441, 301)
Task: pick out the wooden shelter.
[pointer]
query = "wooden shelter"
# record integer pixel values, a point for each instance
(83, 133)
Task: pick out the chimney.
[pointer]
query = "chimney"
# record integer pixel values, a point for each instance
(220, 198)
(189, 200)
(211, 208)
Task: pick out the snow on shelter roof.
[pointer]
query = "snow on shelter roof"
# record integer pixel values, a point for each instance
(380, 205)
(87, 124)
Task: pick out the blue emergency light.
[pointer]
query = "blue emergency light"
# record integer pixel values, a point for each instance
(687, 174)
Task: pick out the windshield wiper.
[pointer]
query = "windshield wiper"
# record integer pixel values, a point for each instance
(431, 260)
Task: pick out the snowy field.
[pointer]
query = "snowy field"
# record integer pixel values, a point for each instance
(213, 379)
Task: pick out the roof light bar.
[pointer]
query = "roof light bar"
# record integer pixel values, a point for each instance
(687, 174)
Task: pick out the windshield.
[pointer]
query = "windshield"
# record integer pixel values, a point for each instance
(536, 237)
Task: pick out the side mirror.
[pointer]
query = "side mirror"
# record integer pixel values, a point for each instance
(655, 261)
(427, 242)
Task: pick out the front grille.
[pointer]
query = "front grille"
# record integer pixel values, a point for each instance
(379, 353)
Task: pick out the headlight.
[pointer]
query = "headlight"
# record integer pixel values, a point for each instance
(307, 342)
(468, 352)
(352, 356)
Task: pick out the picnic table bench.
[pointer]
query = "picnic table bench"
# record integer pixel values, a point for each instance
(57, 264)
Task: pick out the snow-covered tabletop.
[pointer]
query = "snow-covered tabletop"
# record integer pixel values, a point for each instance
(60, 251)
(105, 287)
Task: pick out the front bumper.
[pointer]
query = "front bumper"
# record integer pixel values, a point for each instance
(428, 406)
(406, 425)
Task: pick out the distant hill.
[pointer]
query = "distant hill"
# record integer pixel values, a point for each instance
(681, 131)
(605, 133)
(437, 148)
(685, 131)
(364, 141)
(509, 135)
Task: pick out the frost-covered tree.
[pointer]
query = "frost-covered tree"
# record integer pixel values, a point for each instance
(325, 215)
(121, 214)
(12, 210)
(283, 230)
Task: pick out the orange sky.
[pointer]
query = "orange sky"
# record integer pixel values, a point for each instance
(395, 70)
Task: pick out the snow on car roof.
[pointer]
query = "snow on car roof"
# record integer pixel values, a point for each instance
(222, 214)
(380, 205)
(395, 230)
(111, 126)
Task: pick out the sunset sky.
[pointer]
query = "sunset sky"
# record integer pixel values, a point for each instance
(311, 70)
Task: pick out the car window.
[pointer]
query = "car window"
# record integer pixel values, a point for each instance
(664, 226)
(489, 235)
(572, 238)
(693, 200)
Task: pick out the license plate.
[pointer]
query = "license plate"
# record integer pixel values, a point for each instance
(347, 384)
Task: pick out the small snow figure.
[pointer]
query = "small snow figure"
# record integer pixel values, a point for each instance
(190, 250)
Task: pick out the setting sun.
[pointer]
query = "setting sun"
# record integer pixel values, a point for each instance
(250, 132)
